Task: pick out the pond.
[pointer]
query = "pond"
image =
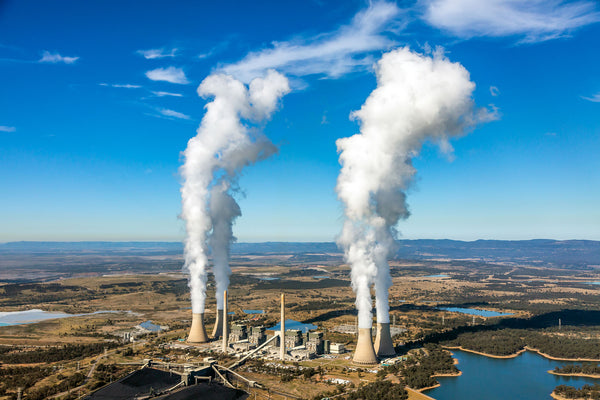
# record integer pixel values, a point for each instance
(475, 311)
(522, 377)
(291, 324)
(254, 311)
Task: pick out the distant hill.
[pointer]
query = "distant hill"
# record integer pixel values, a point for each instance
(567, 253)
(561, 253)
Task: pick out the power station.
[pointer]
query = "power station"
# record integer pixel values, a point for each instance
(290, 344)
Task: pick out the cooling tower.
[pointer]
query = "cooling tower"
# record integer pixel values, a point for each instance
(384, 347)
(364, 353)
(197, 332)
(218, 329)
(282, 337)
(225, 330)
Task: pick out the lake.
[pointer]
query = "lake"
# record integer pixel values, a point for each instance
(254, 311)
(35, 315)
(475, 311)
(522, 377)
(438, 276)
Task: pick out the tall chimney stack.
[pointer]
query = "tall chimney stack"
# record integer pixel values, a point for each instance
(364, 353)
(384, 347)
(197, 331)
(225, 330)
(282, 333)
(218, 328)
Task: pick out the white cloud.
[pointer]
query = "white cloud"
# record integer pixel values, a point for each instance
(156, 53)
(162, 94)
(55, 58)
(214, 50)
(533, 20)
(332, 54)
(119, 85)
(595, 98)
(174, 114)
(170, 74)
(7, 128)
(494, 91)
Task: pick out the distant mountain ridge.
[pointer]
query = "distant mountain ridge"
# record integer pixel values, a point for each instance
(536, 252)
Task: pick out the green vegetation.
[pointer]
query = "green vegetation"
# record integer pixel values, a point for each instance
(66, 384)
(508, 341)
(418, 371)
(379, 390)
(53, 354)
(586, 369)
(23, 377)
(586, 392)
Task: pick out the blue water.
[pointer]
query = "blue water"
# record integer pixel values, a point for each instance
(254, 311)
(593, 283)
(321, 276)
(291, 324)
(523, 377)
(33, 316)
(474, 311)
(148, 325)
(438, 276)
(268, 278)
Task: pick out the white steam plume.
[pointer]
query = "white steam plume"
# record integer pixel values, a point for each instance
(226, 141)
(417, 98)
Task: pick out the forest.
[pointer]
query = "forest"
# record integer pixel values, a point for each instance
(586, 392)
(576, 369)
(509, 341)
(379, 390)
(418, 372)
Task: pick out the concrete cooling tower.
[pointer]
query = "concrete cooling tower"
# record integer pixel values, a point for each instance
(197, 331)
(384, 347)
(364, 353)
(218, 329)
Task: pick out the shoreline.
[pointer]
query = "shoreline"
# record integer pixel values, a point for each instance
(418, 394)
(526, 348)
(596, 376)
(427, 388)
(485, 354)
(559, 397)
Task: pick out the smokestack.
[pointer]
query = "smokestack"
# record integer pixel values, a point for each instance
(282, 334)
(225, 330)
(418, 98)
(197, 331)
(384, 347)
(218, 329)
(364, 353)
(227, 140)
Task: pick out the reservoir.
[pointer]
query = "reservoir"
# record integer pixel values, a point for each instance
(474, 311)
(33, 316)
(522, 377)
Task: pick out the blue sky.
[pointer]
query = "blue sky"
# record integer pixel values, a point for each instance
(99, 99)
